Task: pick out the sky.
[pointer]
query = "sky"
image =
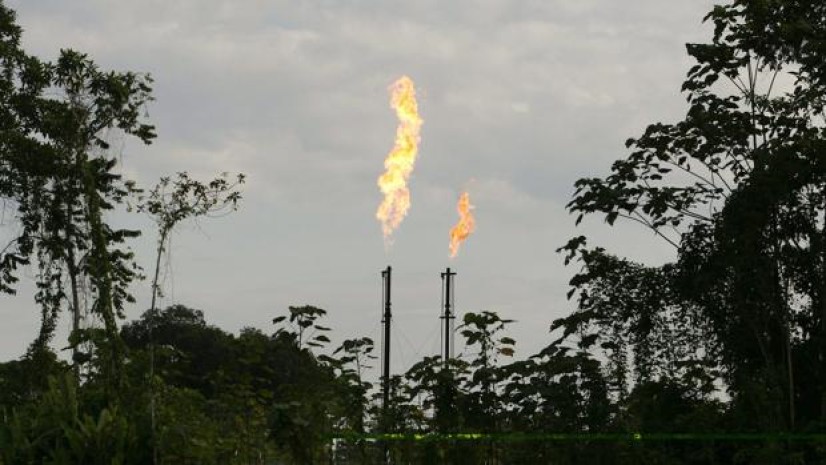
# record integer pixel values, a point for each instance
(519, 99)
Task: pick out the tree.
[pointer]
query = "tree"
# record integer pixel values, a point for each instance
(348, 367)
(22, 79)
(301, 320)
(58, 175)
(173, 201)
(95, 102)
(738, 188)
(169, 203)
(483, 403)
(308, 407)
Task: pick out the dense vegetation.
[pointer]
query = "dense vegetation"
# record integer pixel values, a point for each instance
(718, 357)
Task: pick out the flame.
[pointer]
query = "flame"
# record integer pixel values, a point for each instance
(464, 227)
(400, 161)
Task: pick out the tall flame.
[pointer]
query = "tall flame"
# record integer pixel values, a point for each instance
(400, 161)
(464, 227)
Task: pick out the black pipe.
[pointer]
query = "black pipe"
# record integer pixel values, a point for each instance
(385, 420)
(447, 277)
(386, 320)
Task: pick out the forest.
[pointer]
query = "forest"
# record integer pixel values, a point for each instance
(718, 357)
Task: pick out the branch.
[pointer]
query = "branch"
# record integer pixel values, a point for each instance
(647, 224)
(696, 175)
(13, 241)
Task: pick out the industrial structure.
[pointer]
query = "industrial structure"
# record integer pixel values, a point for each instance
(448, 311)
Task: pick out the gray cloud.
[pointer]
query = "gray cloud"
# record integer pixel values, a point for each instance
(522, 97)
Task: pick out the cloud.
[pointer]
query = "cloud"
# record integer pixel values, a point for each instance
(523, 96)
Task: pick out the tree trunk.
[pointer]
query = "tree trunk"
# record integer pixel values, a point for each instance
(152, 308)
(101, 274)
(72, 267)
(819, 249)
(73, 274)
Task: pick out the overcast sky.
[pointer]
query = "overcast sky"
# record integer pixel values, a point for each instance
(519, 99)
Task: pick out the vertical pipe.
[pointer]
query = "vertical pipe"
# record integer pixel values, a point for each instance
(447, 316)
(447, 277)
(385, 421)
(386, 320)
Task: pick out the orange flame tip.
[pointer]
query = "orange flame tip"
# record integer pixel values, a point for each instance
(464, 227)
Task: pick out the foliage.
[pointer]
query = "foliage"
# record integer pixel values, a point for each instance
(738, 188)
(730, 337)
(55, 431)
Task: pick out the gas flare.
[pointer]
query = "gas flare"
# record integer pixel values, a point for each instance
(464, 227)
(400, 161)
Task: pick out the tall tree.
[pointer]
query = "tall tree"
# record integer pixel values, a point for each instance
(170, 202)
(738, 187)
(77, 124)
(58, 176)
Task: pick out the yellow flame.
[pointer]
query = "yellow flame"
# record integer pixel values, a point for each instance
(464, 227)
(400, 161)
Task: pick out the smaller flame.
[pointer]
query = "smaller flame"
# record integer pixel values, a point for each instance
(464, 227)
